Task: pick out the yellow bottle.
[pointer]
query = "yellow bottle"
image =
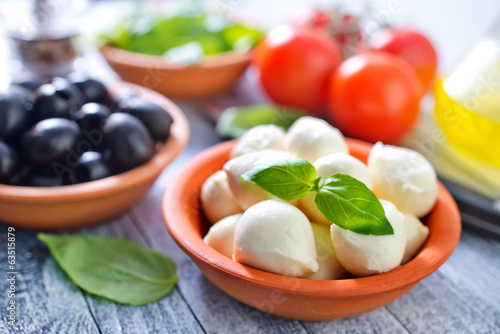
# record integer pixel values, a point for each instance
(468, 103)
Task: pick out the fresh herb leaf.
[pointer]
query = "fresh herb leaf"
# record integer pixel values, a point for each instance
(156, 33)
(286, 179)
(343, 200)
(348, 203)
(316, 185)
(242, 37)
(114, 268)
(235, 121)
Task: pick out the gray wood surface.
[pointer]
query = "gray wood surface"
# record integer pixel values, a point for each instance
(463, 296)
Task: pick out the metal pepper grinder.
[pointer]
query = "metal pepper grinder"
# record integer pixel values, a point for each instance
(44, 34)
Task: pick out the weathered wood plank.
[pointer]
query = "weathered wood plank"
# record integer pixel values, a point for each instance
(377, 321)
(473, 272)
(46, 300)
(432, 307)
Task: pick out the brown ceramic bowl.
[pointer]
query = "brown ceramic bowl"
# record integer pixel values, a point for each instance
(213, 76)
(296, 298)
(93, 202)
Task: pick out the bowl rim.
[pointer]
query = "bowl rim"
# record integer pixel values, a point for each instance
(142, 60)
(436, 250)
(179, 136)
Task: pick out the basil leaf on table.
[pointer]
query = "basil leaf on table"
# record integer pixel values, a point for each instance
(118, 269)
(286, 179)
(235, 121)
(348, 203)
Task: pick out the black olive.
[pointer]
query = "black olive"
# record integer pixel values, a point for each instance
(92, 90)
(128, 139)
(57, 99)
(34, 179)
(156, 119)
(14, 118)
(70, 92)
(49, 104)
(61, 170)
(36, 176)
(9, 162)
(50, 140)
(91, 116)
(92, 166)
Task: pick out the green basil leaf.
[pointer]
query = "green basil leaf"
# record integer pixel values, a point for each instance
(286, 179)
(114, 268)
(348, 203)
(155, 33)
(234, 34)
(235, 121)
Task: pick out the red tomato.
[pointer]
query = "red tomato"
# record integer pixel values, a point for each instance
(375, 96)
(413, 47)
(295, 64)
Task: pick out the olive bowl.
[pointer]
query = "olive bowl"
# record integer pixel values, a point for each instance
(212, 76)
(73, 206)
(295, 298)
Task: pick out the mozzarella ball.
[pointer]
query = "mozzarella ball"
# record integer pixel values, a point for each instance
(364, 255)
(246, 193)
(217, 200)
(327, 166)
(329, 265)
(261, 137)
(310, 138)
(416, 234)
(221, 235)
(276, 237)
(403, 177)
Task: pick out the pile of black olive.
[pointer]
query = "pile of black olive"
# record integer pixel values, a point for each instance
(70, 130)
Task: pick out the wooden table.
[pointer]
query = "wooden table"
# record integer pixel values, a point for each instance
(463, 296)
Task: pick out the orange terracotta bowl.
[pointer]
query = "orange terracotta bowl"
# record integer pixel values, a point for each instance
(296, 298)
(213, 76)
(84, 204)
